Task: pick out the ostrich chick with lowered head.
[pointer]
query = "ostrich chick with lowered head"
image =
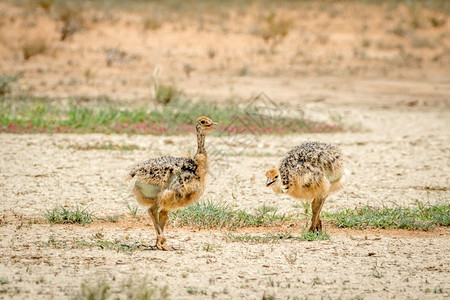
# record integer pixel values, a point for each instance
(310, 171)
(168, 183)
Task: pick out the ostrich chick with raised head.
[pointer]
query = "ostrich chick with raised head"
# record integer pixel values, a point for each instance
(168, 183)
(310, 171)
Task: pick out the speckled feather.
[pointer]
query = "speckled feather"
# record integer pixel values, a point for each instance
(159, 171)
(310, 161)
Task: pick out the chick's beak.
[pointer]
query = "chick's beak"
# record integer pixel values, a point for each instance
(269, 182)
(211, 125)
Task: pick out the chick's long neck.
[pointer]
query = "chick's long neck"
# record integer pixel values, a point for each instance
(201, 142)
(201, 157)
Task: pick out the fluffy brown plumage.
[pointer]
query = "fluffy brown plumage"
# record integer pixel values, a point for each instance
(168, 183)
(310, 171)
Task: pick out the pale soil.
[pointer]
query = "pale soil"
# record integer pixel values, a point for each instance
(403, 157)
(399, 154)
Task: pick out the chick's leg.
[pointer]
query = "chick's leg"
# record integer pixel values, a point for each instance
(316, 223)
(163, 217)
(154, 215)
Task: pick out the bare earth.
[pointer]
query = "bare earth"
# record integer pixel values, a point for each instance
(399, 155)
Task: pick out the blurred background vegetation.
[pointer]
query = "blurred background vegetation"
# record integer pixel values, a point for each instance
(154, 66)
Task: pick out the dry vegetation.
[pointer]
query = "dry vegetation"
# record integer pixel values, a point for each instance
(257, 39)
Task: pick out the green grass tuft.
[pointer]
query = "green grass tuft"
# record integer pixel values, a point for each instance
(275, 238)
(423, 216)
(61, 215)
(209, 214)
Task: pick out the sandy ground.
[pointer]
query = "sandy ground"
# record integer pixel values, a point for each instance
(392, 90)
(402, 156)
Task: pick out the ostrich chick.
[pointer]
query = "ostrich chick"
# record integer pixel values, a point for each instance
(310, 171)
(168, 183)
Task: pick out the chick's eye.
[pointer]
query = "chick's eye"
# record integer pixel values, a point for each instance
(276, 176)
(202, 121)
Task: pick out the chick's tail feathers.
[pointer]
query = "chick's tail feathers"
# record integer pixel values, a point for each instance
(340, 183)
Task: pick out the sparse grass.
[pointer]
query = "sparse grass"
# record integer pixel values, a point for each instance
(165, 93)
(106, 146)
(133, 209)
(208, 247)
(195, 291)
(421, 42)
(275, 238)
(33, 47)
(71, 16)
(103, 115)
(244, 70)
(274, 29)
(209, 214)
(436, 21)
(377, 274)
(62, 215)
(4, 280)
(423, 216)
(113, 219)
(94, 290)
(151, 22)
(141, 289)
(135, 287)
(96, 241)
(7, 83)
(117, 246)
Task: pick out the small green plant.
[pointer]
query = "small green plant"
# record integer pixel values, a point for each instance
(4, 280)
(209, 247)
(113, 219)
(133, 209)
(314, 236)
(423, 216)
(316, 281)
(195, 291)
(62, 215)
(377, 274)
